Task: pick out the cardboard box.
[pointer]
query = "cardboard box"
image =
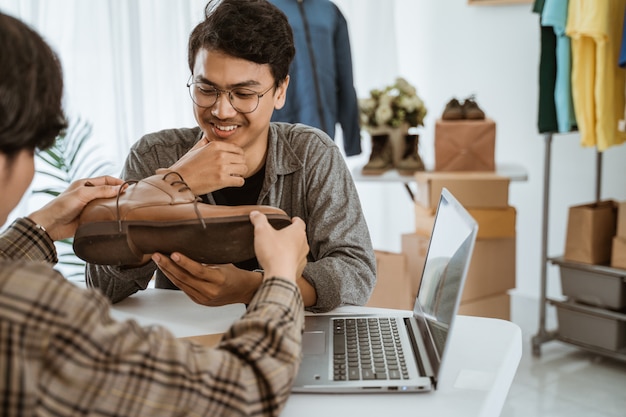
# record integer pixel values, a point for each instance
(492, 223)
(424, 220)
(496, 306)
(590, 231)
(618, 252)
(392, 288)
(492, 269)
(414, 248)
(472, 189)
(621, 219)
(465, 145)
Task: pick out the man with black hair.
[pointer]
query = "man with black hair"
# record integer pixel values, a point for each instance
(239, 58)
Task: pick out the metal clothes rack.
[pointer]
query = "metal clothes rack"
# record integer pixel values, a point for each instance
(543, 335)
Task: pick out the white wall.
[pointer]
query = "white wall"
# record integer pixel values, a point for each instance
(449, 49)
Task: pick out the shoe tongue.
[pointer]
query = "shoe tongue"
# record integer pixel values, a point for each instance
(170, 190)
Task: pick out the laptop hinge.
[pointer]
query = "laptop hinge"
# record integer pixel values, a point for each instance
(419, 350)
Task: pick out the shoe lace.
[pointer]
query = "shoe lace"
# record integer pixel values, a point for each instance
(180, 181)
(471, 101)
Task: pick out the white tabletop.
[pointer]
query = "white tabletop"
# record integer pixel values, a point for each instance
(476, 373)
(514, 172)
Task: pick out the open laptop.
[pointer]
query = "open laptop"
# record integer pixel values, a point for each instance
(341, 352)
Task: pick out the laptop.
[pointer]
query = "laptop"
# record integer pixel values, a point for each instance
(391, 353)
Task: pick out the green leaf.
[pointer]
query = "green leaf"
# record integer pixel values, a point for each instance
(73, 156)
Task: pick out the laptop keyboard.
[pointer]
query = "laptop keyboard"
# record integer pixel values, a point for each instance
(367, 349)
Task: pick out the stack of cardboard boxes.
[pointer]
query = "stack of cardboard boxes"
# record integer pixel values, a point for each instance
(465, 165)
(492, 270)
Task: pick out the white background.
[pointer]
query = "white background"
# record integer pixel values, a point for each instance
(125, 70)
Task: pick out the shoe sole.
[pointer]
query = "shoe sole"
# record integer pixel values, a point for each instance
(223, 240)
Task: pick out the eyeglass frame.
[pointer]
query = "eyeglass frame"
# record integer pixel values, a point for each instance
(229, 95)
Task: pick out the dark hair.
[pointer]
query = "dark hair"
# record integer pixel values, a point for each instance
(254, 30)
(31, 89)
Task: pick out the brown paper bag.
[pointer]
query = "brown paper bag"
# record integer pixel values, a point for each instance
(590, 231)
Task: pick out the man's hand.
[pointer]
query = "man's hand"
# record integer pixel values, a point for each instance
(210, 166)
(210, 285)
(281, 253)
(60, 216)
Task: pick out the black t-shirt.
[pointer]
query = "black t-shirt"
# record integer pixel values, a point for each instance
(246, 195)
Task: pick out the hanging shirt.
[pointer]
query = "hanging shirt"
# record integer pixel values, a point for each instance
(321, 87)
(546, 117)
(554, 15)
(595, 28)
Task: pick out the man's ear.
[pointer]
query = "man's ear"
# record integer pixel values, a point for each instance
(281, 94)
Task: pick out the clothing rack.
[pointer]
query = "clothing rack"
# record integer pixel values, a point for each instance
(543, 335)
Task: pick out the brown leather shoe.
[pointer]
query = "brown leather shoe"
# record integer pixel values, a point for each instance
(453, 110)
(161, 214)
(471, 109)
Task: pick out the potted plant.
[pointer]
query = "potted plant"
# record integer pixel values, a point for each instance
(387, 115)
(73, 156)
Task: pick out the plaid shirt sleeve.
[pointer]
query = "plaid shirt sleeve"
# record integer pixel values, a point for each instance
(24, 240)
(62, 354)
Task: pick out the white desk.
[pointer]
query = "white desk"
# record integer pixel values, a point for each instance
(476, 374)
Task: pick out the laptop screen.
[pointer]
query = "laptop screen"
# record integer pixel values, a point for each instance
(448, 256)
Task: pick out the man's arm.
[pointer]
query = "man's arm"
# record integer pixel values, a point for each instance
(343, 267)
(112, 366)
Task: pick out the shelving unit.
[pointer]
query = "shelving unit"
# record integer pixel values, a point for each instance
(543, 334)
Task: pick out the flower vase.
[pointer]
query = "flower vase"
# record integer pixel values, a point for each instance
(396, 138)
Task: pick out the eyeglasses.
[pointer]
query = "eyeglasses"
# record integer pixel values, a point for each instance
(244, 100)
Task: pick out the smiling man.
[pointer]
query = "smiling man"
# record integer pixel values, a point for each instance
(239, 59)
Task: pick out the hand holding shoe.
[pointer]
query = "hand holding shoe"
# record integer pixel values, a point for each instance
(281, 253)
(209, 285)
(60, 216)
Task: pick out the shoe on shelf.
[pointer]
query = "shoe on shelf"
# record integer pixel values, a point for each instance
(453, 110)
(471, 109)
(161, 214)
(411, 161)
(381, 158)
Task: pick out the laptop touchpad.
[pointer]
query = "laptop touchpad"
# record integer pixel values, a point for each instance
(314, 343)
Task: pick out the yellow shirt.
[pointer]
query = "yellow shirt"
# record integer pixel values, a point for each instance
(595, 28)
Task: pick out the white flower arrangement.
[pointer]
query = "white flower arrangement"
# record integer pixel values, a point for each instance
(395, 105)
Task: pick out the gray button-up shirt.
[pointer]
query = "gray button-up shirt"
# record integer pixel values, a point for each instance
(306, 176)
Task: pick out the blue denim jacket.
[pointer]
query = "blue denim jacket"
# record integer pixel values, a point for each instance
(330, 45)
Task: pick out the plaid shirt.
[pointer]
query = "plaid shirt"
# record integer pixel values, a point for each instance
(61, 353)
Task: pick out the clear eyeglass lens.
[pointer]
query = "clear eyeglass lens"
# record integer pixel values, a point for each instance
(243, 100)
